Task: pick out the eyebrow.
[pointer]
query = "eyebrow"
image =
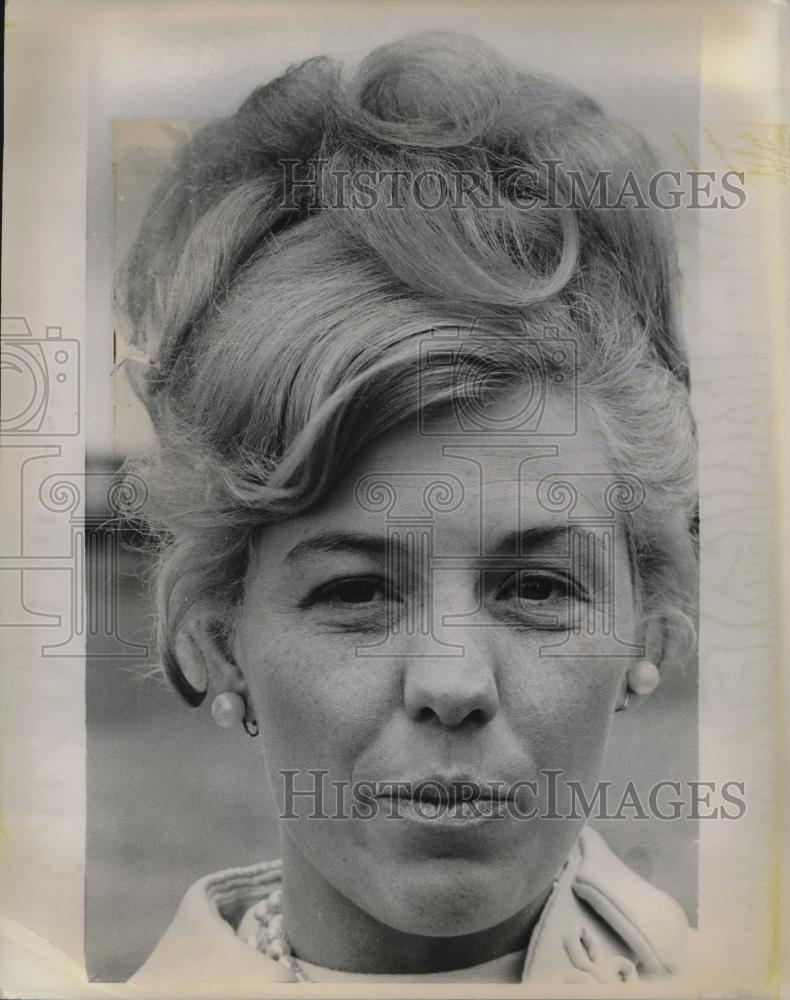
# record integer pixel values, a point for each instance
(339, 541)
(515, 543)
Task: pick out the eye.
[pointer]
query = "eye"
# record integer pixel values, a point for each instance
(535, 588)
(539, 599)
(353, 591)
(354, 604)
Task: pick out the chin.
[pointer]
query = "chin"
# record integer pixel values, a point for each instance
(443, 898)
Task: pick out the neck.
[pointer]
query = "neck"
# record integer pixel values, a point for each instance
(325, 927)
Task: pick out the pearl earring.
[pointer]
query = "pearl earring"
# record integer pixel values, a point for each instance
(230, 708)
(642, 678)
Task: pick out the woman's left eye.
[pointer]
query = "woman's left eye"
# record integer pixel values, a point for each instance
(535, 588)
(538, 600)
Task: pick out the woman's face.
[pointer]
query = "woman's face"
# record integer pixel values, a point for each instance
(448, 615)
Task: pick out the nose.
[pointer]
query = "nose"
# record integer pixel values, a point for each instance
(452, 691)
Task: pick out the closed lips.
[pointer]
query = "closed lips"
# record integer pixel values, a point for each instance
(444, 792)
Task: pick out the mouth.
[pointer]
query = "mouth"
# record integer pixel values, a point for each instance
(446, 801)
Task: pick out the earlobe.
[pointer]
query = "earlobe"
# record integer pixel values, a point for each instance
(231, 702)
(229, 708)
(643, 677)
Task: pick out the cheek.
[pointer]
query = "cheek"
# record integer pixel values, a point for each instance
(317, 704)
(585, 694)
(561, 707)
(574, 696)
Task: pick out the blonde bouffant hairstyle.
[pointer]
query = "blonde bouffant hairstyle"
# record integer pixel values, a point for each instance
(285, 277)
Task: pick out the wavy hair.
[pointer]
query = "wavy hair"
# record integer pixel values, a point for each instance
(285, 318)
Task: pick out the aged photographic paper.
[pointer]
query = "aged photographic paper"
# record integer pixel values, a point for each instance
(392, 465)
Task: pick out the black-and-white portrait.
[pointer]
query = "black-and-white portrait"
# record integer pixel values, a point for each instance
(392, 537)
(423, 495)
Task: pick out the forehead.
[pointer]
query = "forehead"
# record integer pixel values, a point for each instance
(471, 488)
(488, 452)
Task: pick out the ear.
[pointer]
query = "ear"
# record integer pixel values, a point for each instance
(667, 641)
(202, 644)
(656, 641)
(659, 644)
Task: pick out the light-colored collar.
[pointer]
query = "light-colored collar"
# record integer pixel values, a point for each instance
(602, 924)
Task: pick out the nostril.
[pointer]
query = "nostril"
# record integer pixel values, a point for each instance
(425, 715)
(471, 720)
(451, 720)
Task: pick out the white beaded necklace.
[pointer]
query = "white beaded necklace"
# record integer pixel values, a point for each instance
(270, 937)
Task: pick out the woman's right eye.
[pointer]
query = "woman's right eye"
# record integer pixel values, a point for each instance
(353, 591)
(355, 604)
